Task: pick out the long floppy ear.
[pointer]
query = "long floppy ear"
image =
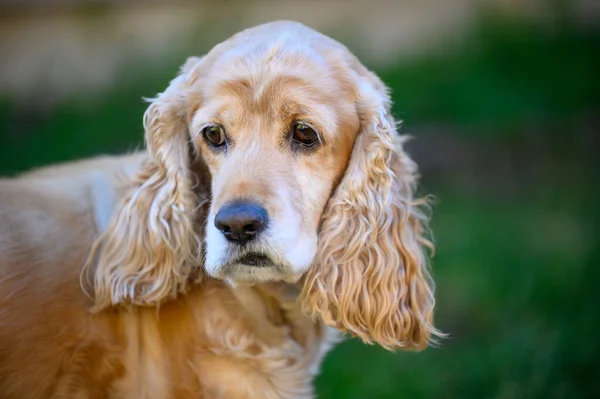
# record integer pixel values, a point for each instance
(151, 245)
(370, 277)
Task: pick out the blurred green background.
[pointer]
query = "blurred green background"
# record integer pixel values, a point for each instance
(502, 98)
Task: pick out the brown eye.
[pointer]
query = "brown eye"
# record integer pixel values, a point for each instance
(214, 135)
(305, 135)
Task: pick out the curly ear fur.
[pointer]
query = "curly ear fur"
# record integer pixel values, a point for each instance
(370, 277)
(151, 246)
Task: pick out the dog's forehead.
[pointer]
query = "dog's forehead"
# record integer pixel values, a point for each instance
(271, 105)
(272, 74)
(254, 64)
(275, 96)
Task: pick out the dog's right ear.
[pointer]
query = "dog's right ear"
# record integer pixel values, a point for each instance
(151, 245)
(371, 277)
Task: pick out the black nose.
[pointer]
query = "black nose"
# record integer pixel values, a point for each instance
(241, 221)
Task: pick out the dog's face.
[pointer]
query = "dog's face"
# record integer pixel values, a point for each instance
(308, 178)
(276, 141)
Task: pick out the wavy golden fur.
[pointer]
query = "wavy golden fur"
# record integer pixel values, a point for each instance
(172, 309)
(152, 243)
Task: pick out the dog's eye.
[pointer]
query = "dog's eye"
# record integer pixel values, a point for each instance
(305, 135)
(215, 135)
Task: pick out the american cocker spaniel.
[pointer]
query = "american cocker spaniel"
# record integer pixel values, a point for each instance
(272, 209)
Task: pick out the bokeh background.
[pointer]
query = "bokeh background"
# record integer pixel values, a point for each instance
(502, 97)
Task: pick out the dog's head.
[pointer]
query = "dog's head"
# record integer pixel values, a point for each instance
(306, 179)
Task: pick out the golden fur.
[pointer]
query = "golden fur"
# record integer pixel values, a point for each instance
(112, 282)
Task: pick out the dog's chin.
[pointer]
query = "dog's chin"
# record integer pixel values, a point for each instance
(253, 269)
(244, 275)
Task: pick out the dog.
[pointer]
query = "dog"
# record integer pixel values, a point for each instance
(272, 211)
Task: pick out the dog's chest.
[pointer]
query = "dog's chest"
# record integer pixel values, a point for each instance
(242, 343)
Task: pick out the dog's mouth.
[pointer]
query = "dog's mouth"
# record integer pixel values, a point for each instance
(252, 267)
(255, 259)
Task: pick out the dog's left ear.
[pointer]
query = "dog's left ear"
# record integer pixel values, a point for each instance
(151, 245)
(370, 277)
